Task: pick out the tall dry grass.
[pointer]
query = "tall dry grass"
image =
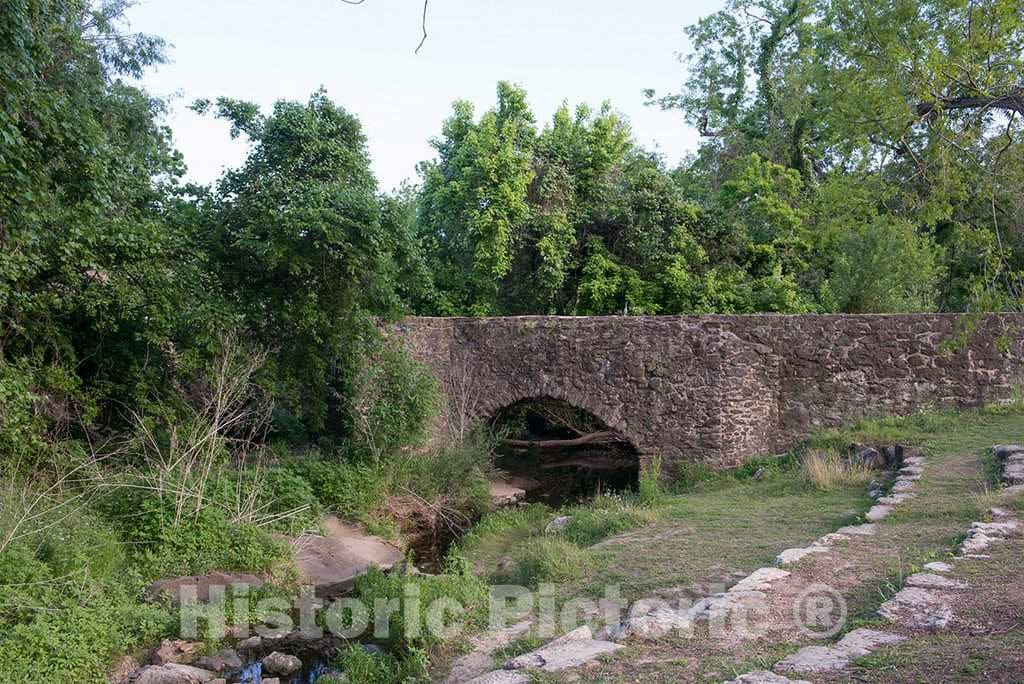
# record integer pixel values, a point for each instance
(828, 470)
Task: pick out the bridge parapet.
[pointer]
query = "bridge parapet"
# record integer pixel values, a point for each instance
(717, 389)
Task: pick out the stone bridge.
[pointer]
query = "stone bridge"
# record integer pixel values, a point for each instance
(717, 389)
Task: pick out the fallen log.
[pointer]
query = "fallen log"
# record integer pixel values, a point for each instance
(592, 463)
(606, 437)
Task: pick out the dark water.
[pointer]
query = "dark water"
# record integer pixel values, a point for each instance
(253, 673)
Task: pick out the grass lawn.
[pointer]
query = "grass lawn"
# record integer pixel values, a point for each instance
(728, 526)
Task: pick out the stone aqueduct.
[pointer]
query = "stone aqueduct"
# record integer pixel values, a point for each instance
(718, 389)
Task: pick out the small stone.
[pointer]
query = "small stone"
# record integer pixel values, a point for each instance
(875, 493)
(501, 677)
(790, 556)
(865, 530)
(928, 580)
(558, 524)
(878, 512)
(902, 484)
(999, 513)
(938, 566)
(282, 664)
(270, 680)
(917, 608)
(765, 677)
(857, 643)
(895, 499)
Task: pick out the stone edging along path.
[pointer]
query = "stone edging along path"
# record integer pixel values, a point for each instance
(923, 605)
(648, 619)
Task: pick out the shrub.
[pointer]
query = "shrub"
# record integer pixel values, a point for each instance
(359, 665)
(828, 470)
(69, 591)
(391, 399)
(545, 559)
(649, 490)
(455, 583)
(591, 524)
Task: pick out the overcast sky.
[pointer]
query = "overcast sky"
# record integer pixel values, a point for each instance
(265, 50)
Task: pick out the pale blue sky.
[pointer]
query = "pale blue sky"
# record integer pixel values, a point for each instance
(265, 50)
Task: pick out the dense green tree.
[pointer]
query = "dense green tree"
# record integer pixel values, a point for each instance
(94, 279)
(919, 100)
(308, 251)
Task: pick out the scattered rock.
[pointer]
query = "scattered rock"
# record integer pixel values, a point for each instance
(558, 524)
(875, 493)
(917, 608)
(765, 677)
(171, 589)
(282, 664)
(878, 512)
(865, 530)
(334, 562)
(857, 643)
(913, 461)
(927, 580)
(572, 649)
(903, 484)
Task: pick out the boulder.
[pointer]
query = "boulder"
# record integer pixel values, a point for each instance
(872, 458)
(173, 673)
(1004, 451)
(226, 659)
(170, 589)
(283, 664)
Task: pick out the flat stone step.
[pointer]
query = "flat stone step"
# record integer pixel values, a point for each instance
(333, 562)
(571, 650)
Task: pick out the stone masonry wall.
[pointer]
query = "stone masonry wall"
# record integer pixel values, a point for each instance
(718, 389)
